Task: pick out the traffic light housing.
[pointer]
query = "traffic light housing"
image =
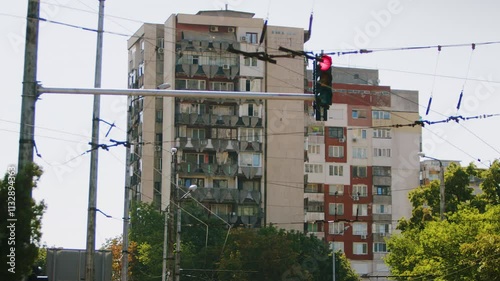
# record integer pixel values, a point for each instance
(323, 86)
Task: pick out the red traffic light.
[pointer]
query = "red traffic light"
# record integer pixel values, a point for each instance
(326, 62)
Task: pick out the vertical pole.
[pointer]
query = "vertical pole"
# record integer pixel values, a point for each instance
(178, 236)
(91, 217)
(126, 197)
(165, 246)
(441, 191)
(27, 130)
(333, 262)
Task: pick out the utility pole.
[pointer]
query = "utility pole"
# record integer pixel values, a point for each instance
(178, 234)
(30, 95)
(126, 199)
(91, 217)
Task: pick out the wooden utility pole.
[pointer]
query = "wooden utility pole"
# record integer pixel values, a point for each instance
(30, 95)
(94, 154)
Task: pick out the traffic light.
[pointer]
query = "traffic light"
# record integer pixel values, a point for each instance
(323, 86)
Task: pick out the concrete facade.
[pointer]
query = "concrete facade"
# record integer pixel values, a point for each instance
(245, 156)
(360, 167)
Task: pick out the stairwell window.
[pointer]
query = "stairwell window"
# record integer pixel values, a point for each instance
(359, 171)
(358, 113)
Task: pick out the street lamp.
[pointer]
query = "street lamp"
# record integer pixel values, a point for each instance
(441, 184)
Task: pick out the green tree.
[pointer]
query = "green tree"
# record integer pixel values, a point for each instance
(20, 223)
(425, 199)
(463, 247)
(272, 254)
(146, 231)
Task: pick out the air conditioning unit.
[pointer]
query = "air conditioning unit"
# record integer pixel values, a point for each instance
(231, 29)
(382, 234)
(158, 148)
(214, 28)
(160, 50)
(243, 38)
(342, 139)
(354, 139)
(363, 236)
(226, 66)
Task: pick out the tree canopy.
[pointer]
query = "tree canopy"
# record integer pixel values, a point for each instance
(463, 246)
(20, 222)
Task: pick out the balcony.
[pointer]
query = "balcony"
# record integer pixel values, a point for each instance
(207, 170)
(200, 145)
(250, 146)
(227, 195)
(250, 172)
(215, 120)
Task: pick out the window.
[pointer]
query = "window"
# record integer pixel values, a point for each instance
(222, 133)
(336, 228)
(379, 248)
(383, 190)
(220, 183)
(360, 190)
(199, 158)
(222, 86)
(359, 248)
(250, 134)
(359, 210)
(379, 114)
(336, 189)
(359, 228)
(358, 113)
(313, 149)
(381, 209)
(220, 209)
(190, 84)
(336, 151)
(187, 182)
(337, 246)
(249, 185)
(382, 228)
(381, 152)
(359, 152)
(315, 206)
(359, 171)
(159, 139)
(250, 159)
(314, 168)
(313, 188)
(381, 171)
(247, 62)
(251, 37)
(250, 109)
(336, 170)
(159, 115)
(314, 227)
(315, 131)
(247, 210)
(336, 132)
(382, 133)
(198, 133)
(336, 208)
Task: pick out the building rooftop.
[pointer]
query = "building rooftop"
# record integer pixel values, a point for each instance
(226, 13)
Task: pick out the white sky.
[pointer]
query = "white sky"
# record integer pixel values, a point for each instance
(66, 58)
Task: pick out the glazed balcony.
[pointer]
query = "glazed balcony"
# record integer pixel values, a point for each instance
(227, 195)
(207, 170)
(214, 120)
(218, 145)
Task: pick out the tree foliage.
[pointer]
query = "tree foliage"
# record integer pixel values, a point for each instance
(22, 235)
(464, 246)
(212, 251)
(115, 246)
(272, 254)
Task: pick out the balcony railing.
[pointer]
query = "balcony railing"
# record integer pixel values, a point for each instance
(208, 170)
(227, 195)
(217, 120)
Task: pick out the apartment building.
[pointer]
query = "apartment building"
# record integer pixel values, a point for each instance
(245, 156)
(360, 167)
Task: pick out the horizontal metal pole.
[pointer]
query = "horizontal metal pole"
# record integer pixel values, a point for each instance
(176, 93)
